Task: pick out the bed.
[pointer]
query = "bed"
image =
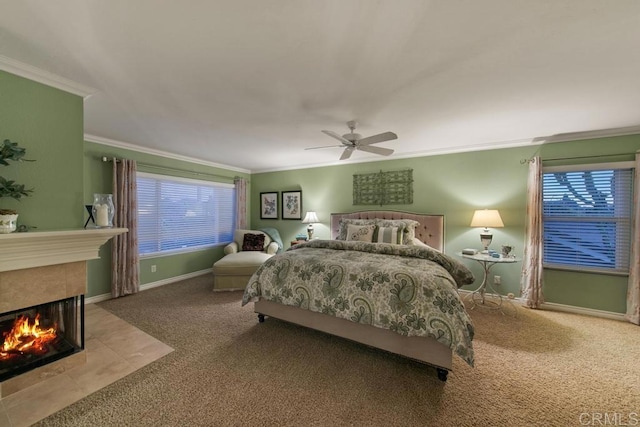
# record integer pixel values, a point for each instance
(398, 294)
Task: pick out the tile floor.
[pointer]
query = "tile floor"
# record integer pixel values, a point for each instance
(114, 350)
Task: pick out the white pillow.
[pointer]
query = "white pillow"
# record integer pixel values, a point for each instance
(361, 233)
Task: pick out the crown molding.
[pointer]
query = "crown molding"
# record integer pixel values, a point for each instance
(422, 153)
(590, 134)
(36, 74)
(154, 152)
(523, 142)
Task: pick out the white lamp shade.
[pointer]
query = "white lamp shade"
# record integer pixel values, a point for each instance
(486, 218)
(310, 218)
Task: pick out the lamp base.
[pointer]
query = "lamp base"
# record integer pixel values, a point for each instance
(310, 232)
(486, 239)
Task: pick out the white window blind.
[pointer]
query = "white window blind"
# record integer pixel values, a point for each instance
(178, 214)
(587, 217)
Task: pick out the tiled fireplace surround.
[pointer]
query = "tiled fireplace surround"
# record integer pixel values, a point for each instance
(41, 267)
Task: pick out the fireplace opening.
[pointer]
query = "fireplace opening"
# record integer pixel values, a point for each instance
(34, 336)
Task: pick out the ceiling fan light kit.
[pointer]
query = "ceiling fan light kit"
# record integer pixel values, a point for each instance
(354, 141)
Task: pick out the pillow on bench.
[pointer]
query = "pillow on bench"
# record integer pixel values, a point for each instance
(268, 246)
(253, 242)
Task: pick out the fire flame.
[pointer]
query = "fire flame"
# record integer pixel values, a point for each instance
(27, 337)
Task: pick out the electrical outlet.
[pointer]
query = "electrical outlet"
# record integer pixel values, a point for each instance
(496, 280)
(153, 268)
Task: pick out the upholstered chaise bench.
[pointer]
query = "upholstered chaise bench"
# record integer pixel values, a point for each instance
(243, 257)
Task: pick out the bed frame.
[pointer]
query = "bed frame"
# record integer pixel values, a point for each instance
(423, 349)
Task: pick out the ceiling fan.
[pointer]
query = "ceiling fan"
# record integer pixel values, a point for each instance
(354, 141)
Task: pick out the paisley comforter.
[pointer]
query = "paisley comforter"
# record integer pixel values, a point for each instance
(410, 290)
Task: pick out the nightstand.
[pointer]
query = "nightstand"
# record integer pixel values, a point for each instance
(477, 297)
(295, 242)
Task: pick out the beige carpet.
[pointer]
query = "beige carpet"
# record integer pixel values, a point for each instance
(541, 368)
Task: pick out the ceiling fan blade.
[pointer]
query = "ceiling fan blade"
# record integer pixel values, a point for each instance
(324, 146)
(376, 150)
(347, 153)
(338, 137)
(385, 136)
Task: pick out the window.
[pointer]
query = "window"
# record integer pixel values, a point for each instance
(179, 214)
(587, 217)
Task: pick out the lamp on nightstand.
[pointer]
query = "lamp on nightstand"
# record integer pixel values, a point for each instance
(486, 218)
(310, 218)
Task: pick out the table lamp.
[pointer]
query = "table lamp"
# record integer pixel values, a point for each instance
(309, 218)
(486, 218)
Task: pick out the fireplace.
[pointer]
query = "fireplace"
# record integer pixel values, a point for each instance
(41, 334)
(43, 280)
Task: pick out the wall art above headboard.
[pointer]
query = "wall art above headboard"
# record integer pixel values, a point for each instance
(383, 188)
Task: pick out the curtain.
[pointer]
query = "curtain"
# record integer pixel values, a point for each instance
(124, 247)
(531, 282)
(633, 293)
(241, 202)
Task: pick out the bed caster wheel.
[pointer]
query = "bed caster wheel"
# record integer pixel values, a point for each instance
(442, 374)
(261, 318)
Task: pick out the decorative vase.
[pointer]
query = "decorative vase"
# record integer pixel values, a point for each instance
(8, 223)
(103, 210)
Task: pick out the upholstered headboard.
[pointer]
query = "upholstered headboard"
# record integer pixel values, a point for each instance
(430, 230)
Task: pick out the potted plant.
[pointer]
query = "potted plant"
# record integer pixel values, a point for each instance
(9, 188)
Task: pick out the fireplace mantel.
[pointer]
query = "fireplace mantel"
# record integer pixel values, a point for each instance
(41, 248)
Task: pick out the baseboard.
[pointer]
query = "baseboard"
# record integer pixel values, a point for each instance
(545, 306)
(582, 310)
(228, 289)
(514, 300)
(151, 285)
(553, 306)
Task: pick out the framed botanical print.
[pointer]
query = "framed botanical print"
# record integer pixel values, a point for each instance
(292, 205)
(269, 205)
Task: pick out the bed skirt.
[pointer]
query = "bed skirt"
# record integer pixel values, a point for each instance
(423, 349)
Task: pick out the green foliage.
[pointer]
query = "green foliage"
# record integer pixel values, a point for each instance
(8, 188)
(11, 151)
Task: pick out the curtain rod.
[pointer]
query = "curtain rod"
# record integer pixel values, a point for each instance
(523, 161)
(170, 169)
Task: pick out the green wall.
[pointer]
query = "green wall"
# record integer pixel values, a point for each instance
(98, 176)
(598, 291)
(49, 123)
(455, 185)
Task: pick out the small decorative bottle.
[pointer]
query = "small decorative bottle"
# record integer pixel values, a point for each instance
(103, 210)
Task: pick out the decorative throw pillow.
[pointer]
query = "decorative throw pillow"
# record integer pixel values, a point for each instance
(408, 227)
(345, 222)
(388, 235)
(253, 242)
(361, 233)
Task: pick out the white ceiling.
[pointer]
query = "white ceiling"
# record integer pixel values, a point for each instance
(251, 83)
